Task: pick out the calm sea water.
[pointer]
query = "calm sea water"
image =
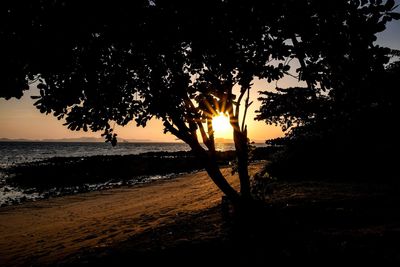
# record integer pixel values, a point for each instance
(19, 152)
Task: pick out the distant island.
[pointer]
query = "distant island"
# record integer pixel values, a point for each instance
(80, 139)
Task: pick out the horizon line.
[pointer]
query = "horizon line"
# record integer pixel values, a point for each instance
(101, 140)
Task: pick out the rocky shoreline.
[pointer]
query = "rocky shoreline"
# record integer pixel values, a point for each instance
(61, 176)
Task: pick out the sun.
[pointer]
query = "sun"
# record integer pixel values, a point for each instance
(221, 126)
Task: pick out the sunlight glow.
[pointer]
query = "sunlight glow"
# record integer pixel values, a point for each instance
(221, 126)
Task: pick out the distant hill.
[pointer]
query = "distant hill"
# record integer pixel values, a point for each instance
(14, 140)
(80, 139)
(72, 140)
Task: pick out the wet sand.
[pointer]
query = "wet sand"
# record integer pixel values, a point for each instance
(48, 231)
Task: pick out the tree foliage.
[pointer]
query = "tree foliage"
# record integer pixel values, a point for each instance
(343, 116)
(97, 64)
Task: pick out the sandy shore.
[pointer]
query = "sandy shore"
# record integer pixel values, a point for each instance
(47, 231)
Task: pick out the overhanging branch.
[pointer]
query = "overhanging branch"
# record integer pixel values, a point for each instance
(197, 120)
(237, 110)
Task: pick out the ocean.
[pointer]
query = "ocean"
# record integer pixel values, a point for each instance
(19, 153)
(12, 153)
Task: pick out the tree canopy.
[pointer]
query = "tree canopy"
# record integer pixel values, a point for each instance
(98, 63)
(343, 116)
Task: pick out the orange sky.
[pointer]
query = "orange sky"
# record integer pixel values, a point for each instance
(20, 119)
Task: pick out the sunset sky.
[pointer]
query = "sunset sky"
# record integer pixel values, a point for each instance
(20, 119)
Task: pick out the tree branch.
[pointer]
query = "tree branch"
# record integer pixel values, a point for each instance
(211, 141)
(200, 126)
(247, 105)
(238, 103)
(232, 119)
(174, 131)
(301, 58)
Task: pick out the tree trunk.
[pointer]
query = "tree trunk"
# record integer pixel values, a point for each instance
(212, 168)
(240, 139)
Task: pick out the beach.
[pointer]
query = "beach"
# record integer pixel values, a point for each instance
(181, 221)
(49, 231)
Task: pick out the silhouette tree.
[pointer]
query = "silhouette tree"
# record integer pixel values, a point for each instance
(98, 64)
(330, 121)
